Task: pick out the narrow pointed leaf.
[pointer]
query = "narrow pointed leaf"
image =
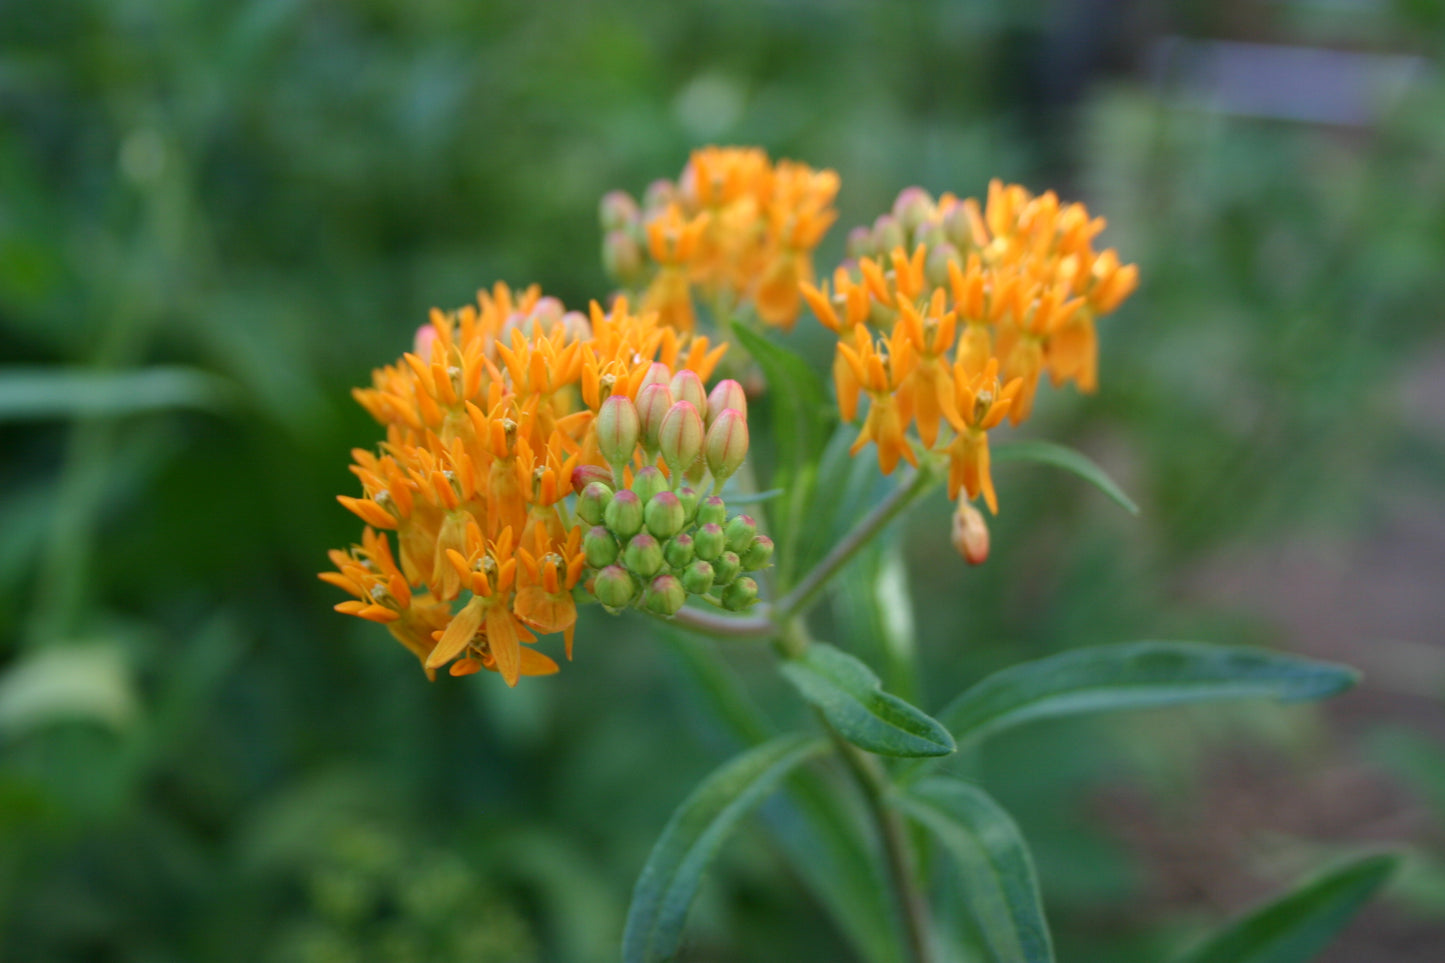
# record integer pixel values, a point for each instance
(1135, 675)
(1298, 925)
(850, 696)
(1002, 891)
(670, 880)
(39, 393)
(1061, 456)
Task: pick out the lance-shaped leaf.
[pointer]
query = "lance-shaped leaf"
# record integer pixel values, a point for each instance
(673, 873)
(1061, 456)
(850, 696)
(1136, 675)
(800, 415)
(993, 861)
(1296, 926)
(39, 393)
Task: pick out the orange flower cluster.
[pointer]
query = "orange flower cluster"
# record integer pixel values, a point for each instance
(490, 425)
(735, 228)
(949, 313)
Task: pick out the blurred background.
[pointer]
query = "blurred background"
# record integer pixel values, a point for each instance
(217, 218)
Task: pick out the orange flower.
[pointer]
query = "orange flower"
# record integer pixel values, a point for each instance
(980, 404)
(888, 413)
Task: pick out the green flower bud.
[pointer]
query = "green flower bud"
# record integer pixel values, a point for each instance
(614, 587)
(935, 266)
(643, 555)
(648, 482)
(599, 547)
(726, 394)
(657, 374)
(687, 386)
(740, 595)
(697, 578)
(887, 234)
(709, 541)
(690, 498)
(584, 475)
(660, 193)
(740, 531)
(653, 403)
(681, 438)
(664, 515)
(859, 243)
(617, 211)
(623, 516)
(758, 554)
(663, 596)
(592, 503)
(712, 511)
(726, 567)
(679, 550)
(618, 429)
(958, 228)
(622, 257)
(727, 443)
(912, 208)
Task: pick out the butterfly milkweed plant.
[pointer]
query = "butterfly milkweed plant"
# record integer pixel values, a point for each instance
(538, 459)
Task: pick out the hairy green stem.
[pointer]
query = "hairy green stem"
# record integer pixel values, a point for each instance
(898, 500)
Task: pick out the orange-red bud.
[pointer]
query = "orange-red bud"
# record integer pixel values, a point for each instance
(970, 532)
(725, 394)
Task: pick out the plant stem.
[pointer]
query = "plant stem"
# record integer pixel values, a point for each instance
(758, 626)
(898, 500)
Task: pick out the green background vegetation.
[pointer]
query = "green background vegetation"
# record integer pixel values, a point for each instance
(216, 218)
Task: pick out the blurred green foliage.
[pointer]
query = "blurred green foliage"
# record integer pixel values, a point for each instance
(216, 218)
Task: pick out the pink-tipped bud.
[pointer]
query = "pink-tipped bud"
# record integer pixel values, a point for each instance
(681, 438)
(622, 257)
(657, 374)
(912, 207)
(726, 394)
(617, 211)
(426, 336)
(859, 243)
(660, 193)
(687, 386)
(618, 428)
(584, 475)
(888, 234)
(970, 532)
(726, 443)
(653, 402)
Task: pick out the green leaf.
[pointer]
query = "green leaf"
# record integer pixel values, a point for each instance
(673, 873)
(874, 611)
(801, 416)
(1001, 890)
(37, 393)
(90, 682)
(1296, 926)
(1136, 675)
(753, 498)
(1060, 456)
(849, 695)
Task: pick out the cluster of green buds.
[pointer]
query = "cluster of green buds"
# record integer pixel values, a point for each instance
(663, 537)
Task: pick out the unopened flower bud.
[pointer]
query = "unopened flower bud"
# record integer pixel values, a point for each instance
(681, 438)
(623, 516)
(740, 532)
(618, 428)
(740, 595)
(643, 555)
(691, 499)
(599, 547)
(664, 514)
(649, 481)
(614, 587)
(727, 443)
(687, 386)
(970, 532)
(957, 228)
(935, 267)
(426, 336)
(758, 554)
(887, 234)
(859, 243)
(726, 394)
(912, 207)
(664, 595)
(697, 578)
(617, 211)
(660, 193)
(712, 511)
(622, 257)
(709, 541)
(584, 475)
(653, 403)
(679, 550)
(593, 501)
(726, 568)
(657, 374)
